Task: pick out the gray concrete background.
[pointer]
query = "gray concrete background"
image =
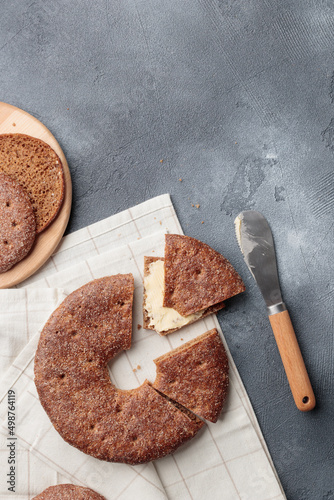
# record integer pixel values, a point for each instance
(237, 98)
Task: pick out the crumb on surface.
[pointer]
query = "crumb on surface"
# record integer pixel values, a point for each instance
(180, 179)
(134, 369)
(138, 367)
(14, 124)
(192, 205)
(202, 222)
(139, 326)
(160, 223)
(161, 161)
(198, 205)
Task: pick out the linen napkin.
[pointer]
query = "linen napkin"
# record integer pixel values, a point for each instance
(228, 459)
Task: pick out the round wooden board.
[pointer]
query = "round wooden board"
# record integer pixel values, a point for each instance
(16, 121)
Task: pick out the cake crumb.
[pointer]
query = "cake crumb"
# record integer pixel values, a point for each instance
(160, 223)
(180, 179)
(14, 124)
(202, 222)
(161, 161)
(138, 326)
(192, 205)
(182, 340)
(138, 367)
(134, 370)
(198, 205)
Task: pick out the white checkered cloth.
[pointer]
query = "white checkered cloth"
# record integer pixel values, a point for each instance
(227, 460)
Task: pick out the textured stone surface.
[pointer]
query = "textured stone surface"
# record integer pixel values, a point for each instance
(237, 99)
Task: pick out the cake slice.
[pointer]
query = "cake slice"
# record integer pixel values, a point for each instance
(196, 276)
(164, 320)
(196, 375)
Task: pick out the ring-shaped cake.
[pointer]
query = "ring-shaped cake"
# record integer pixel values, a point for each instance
(84, 333)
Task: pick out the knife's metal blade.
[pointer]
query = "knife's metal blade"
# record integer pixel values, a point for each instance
(257, 245)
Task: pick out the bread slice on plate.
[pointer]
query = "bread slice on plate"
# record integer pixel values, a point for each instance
(164, 320)
(17, 223)
(196, 375)
(37, 168)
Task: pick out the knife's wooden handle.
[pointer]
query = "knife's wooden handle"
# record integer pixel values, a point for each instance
(293, 361)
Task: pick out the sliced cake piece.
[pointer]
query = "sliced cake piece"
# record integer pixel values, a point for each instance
(196, 276)
(164, 320)
(196, 375)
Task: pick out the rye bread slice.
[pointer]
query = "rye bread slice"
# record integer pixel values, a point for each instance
(146, 317)
(68, 492)
(17, 223)
(37, 168)
(196, 276)
(87, 330)
(196, 375)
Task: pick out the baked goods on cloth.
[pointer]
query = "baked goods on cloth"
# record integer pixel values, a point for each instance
(17, 223)
(189, 283)
(38, 169)
(68, 492)
(87, 330)
(196, 375)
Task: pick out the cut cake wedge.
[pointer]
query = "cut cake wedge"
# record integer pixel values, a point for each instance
(196, 276)
(164, 320)
(196, 375)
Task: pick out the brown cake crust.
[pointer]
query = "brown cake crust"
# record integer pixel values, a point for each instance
(68, 492)
(87, 330)
(17, 223)
(146, 319)
(196, 276)
(196, 375)
(38, 169)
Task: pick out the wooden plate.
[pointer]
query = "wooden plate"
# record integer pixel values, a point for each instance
(16, 121)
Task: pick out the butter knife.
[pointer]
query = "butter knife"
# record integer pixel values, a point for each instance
(257, 246)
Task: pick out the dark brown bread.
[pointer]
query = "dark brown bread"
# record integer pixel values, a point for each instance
(146, 318)
(17, 223)
(196, 375)
(68, 492)
(38, 169)
(87, 330)
(196, 276)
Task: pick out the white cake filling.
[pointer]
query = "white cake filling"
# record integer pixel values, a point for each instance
(162, 318)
